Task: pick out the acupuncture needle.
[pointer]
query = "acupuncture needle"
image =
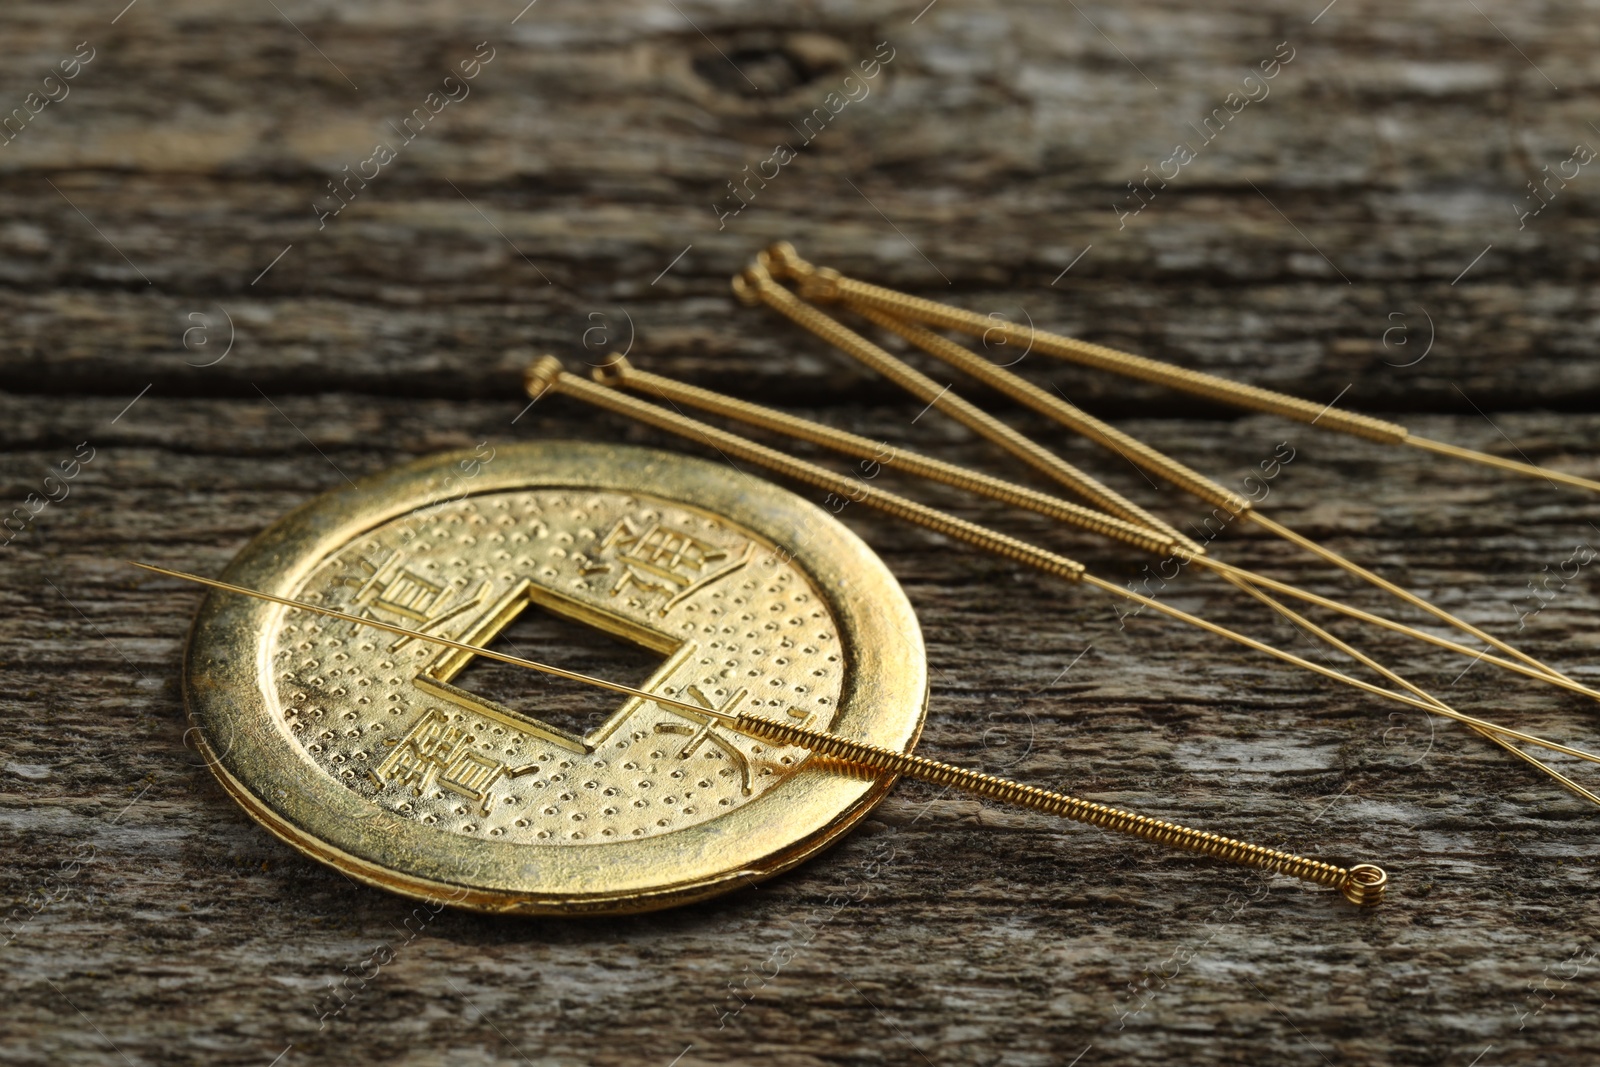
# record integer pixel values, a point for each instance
(622, 373)
(546, 375)
(1362, 883)
(828, 284)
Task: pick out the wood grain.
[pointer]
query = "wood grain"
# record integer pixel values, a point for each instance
(141, 214)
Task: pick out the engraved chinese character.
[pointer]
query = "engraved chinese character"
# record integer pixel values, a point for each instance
(661, 559)
(410, 595)
(395, 589)
(416, 601)
(471, 774)
(706, 732)
(437, 754)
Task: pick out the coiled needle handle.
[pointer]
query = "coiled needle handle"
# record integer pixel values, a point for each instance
(1362, 884)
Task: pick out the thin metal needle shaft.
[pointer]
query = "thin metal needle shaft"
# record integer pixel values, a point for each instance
(459, 646)
(1328, 672)
(1351, 567)
(1298, 620)
(1362, 884)
(1217, 565)
(1488, 460)
(546, 374)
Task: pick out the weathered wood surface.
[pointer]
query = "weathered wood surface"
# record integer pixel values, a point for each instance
(587, 157)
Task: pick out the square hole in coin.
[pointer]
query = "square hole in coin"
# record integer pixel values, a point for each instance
(541, 635)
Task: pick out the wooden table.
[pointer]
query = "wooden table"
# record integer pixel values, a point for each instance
(173, 303)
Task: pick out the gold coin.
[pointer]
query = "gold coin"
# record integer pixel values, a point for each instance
(375, 755)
